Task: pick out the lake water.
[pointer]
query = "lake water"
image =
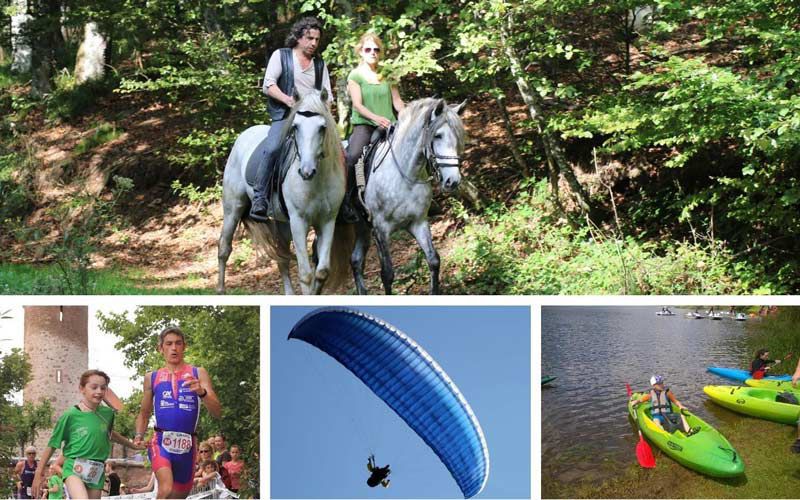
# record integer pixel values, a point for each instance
(595, 351)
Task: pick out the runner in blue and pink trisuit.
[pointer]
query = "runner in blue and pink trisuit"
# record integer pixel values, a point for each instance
(174, 393)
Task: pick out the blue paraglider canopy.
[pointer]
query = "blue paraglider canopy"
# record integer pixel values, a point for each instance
(410, 381)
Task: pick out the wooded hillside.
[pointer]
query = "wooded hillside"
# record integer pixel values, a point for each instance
(615, 146)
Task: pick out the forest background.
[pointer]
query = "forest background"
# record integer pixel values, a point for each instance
(614, 146)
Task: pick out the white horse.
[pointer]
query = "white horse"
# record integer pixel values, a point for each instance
(427, 144)
(313, 189)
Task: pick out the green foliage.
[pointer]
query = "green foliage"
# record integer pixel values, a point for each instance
(213, 86)
(85, 220)
(702, 101)
(100, 135)
(70, 100)
(15, 195)
(195, 194)
(28, 420)
(15, 372)
(224, 340)
(22, 279)
(524, 250)
(204, 151)
(780, 333)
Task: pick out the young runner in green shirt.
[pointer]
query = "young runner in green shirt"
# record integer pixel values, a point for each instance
(55, 485)
(86, 431)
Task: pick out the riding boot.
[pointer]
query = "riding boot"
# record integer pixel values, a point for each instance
(347, 212)
(260, 206)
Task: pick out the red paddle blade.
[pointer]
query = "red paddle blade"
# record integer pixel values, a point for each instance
(645, 454)
(628, 388)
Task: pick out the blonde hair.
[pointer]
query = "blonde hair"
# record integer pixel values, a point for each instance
(368, 36)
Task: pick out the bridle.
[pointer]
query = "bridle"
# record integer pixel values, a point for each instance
(434, 162)
(291, 136)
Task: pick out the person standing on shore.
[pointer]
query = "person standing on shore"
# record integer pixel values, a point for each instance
(795, 378)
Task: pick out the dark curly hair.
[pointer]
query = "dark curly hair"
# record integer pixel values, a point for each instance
(300, 27)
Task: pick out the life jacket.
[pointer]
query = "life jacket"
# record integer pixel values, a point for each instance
(757, 374)
(660, 403)
(278, 110)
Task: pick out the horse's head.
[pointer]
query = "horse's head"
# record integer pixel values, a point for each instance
(309, 122)
(444, 143)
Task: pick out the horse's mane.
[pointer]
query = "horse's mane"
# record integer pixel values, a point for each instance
(412, 117)
(312, 103)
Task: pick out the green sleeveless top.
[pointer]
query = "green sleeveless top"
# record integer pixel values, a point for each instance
(376, 97)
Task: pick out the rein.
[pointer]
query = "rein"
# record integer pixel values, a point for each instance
(290, 136)
(433, 165)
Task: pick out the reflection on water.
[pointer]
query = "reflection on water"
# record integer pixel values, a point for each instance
(594, 351)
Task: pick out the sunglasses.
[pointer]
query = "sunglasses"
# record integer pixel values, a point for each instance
(370, 50)
(205, 451)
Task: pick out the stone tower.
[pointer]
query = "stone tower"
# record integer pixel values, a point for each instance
(57, 345)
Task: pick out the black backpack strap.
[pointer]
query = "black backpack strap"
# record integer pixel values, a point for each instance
(319, 67)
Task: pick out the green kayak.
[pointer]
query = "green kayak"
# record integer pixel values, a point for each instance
(753, 401)
(707, 451)
(547, 379)
(779, 385)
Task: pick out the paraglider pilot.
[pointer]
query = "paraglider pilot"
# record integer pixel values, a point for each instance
(378, 475)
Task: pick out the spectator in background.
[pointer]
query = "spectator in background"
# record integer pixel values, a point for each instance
(235, 468)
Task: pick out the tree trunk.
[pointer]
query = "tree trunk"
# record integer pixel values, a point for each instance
(343, 101)
(49, 42)
(213, 26)
(509, 127)
(553, 148)
(90, 63)
(20, 41)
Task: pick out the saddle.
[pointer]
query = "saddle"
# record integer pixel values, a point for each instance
(362, 173)
(274, 182)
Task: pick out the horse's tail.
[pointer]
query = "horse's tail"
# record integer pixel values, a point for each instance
(344, 239)
(267, 239)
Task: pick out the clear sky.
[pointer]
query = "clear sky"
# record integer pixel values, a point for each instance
(325, 422)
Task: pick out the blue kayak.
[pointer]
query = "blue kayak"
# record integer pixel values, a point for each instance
(741, 375)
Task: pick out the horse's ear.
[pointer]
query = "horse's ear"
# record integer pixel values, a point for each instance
(436, 111)
(459, 108)
(324, 95)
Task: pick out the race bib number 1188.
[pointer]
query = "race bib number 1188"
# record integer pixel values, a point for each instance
(176, 442)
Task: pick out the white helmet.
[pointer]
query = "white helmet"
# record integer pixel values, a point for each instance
(656, 379)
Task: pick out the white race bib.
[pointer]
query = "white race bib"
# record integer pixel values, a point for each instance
(89, 471)
(176, 442)
(29, 492)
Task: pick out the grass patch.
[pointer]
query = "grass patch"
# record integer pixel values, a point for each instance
(7, 77)
(24, 279)
(525, 249)
(15, 195)
(70, 100)
(780, 333)
(771, 470)
(101, 134)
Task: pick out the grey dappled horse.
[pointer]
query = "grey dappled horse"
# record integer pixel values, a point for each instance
(426, 145)
(313, 190)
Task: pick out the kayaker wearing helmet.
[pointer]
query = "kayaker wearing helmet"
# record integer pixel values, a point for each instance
(760, 366)
(661, 399)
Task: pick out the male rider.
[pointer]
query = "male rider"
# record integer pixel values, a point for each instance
(174, 392)
(289, 70)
